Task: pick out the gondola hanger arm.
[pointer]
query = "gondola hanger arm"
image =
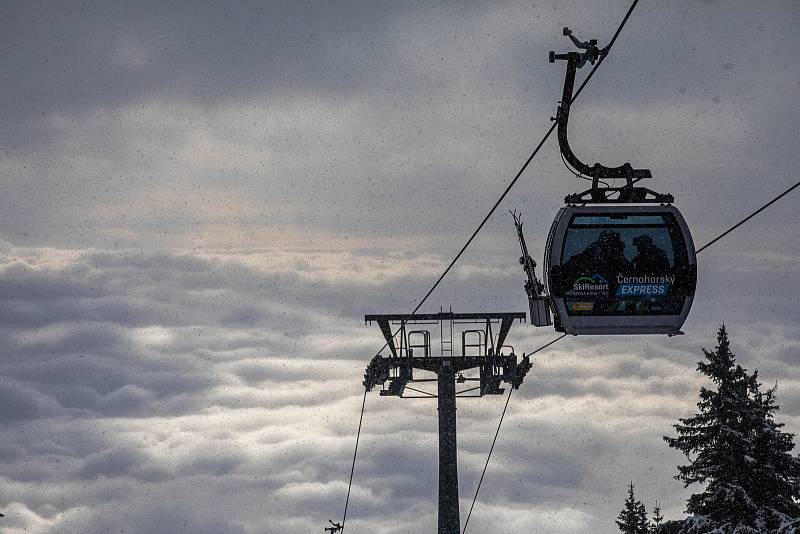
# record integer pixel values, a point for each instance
(596, 172)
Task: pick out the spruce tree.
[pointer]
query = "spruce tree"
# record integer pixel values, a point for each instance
(740, 455)
(657, 518)
(776, 472)
(633, 517)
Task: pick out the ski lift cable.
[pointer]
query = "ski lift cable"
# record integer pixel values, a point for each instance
(496, 205)
(355, 453)
(491, 449)
(530, 158)
(701, 249)
(494, 440)
(494, 208)
(497, 432)
(737, 225)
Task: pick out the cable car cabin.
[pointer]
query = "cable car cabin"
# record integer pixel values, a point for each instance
(620, 269)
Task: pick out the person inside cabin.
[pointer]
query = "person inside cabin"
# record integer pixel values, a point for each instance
(650, 259)
(605, 256)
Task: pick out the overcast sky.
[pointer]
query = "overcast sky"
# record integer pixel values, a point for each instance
(200, 201)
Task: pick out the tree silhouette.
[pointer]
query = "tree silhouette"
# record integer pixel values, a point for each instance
(633, 517)
(737, 450)
(657, 518)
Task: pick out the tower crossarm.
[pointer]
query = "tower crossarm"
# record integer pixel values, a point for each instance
(442, 316)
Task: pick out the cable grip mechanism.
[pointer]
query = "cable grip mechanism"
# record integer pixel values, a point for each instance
(597, 172)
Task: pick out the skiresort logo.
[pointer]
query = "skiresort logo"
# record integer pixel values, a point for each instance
(641, 286)
(594, 283)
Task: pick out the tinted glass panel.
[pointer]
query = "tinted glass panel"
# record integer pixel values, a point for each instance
(623, 264)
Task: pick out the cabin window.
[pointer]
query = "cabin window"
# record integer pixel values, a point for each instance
(623, 264)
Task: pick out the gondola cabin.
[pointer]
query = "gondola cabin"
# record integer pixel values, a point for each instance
(620, 269)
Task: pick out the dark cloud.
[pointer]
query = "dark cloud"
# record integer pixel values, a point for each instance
(173, 112)
(17, 401)
(111, 463)
(146, 516)
(101, 54)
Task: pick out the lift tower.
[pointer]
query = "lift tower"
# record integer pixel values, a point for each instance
(481, 349)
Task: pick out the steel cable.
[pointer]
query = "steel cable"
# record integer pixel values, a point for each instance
(502, 197)
(355, 453)
(466, 522)
(483, 223)
(550, 131)
(737, 225)
(701, 249)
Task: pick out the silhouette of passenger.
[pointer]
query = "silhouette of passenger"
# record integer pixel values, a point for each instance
(649, 260)
(605, 256)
